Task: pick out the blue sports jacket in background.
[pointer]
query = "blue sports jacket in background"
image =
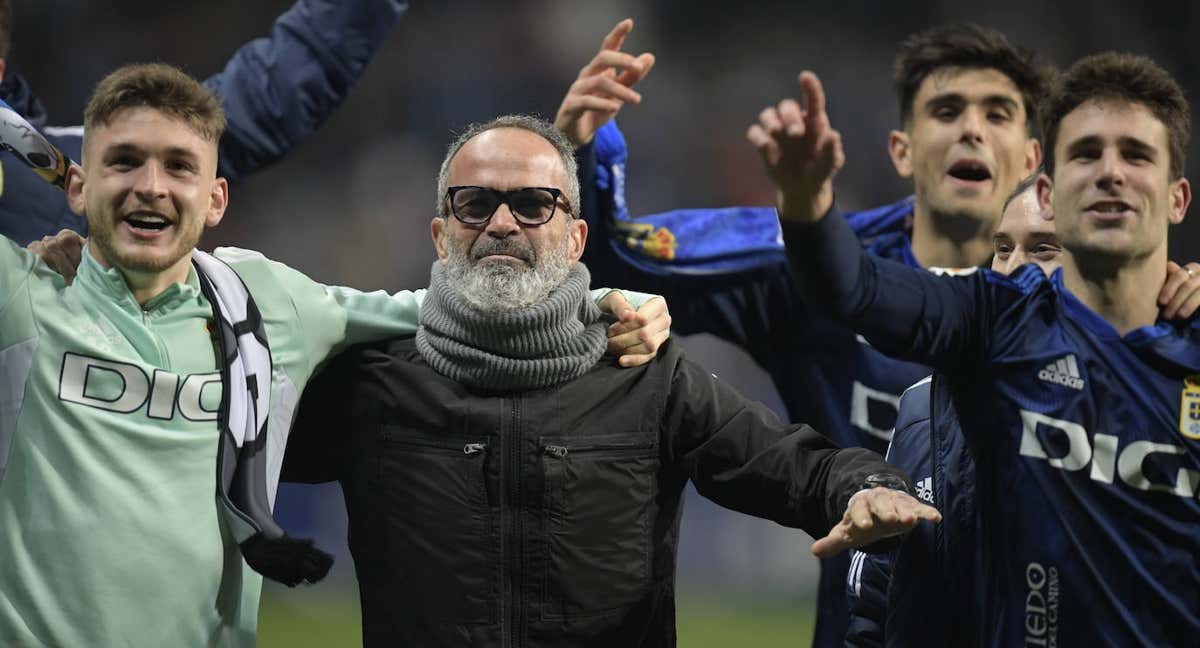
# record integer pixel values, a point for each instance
(275, 90)
(725, 272)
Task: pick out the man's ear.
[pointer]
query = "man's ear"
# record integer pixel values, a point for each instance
(437, 228)
(75, 181)
(218, 202)
(1181, 197)
(1033, 155)
(1044, 189)
(900, 150)
(577, 231)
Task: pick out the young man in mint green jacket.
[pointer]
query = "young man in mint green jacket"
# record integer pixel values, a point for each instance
(111, 524)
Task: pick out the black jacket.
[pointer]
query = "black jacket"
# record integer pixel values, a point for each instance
(549, 517)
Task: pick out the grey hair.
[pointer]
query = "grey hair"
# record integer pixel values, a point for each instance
(531, 123)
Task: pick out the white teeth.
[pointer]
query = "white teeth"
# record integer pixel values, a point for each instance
(148, 218)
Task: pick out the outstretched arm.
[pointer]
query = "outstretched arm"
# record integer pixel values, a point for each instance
(738, 454)
(905, 312)
(277, 90)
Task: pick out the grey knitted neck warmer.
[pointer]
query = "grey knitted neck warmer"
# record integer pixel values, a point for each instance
(553, 341)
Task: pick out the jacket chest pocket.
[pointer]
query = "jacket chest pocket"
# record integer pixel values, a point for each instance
(599, 496)
(442, 542)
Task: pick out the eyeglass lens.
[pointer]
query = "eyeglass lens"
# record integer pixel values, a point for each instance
(530, 205)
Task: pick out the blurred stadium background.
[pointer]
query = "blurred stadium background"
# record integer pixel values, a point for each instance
(352, 206)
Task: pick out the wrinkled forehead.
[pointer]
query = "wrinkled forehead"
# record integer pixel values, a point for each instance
(507, 158)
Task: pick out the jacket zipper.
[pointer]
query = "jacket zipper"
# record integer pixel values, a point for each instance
(466, 447)
(561, 451)
(935, 472)
(516, 607)
(163, 358)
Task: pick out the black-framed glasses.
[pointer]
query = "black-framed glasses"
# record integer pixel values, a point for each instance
(529, 205)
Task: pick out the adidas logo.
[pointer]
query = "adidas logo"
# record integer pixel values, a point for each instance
(1063, 371)
(925, 490)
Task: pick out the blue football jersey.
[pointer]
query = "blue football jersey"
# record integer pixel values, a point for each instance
(1088, 458)
(1086, 443)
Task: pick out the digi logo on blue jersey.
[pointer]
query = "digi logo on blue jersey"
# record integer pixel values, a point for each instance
(1102, 452)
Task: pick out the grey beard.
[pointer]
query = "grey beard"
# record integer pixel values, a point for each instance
(498, 286)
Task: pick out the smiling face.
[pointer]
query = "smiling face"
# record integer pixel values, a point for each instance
(1112, 193)
(504, 264)
(1024, 235)
(149, 188)
(967, 145)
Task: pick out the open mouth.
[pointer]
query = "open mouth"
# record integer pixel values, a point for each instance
(147, 222)
(1114, 211)
(969, 171)
(1110, 207)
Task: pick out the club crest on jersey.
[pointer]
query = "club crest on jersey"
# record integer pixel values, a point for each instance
(1189, 408)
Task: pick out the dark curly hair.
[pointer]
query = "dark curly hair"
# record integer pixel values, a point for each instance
(970, 46)
(1124, 77)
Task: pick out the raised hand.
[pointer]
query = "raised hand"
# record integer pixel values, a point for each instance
(801, 152)
(603, 86)
(872, 515)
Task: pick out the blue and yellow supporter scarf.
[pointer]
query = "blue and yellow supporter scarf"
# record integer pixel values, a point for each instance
(717, 241)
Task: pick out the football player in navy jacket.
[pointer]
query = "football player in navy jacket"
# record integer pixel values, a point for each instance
(1079, 404)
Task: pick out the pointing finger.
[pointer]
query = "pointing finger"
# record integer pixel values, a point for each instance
(616, 38)
(814, 95)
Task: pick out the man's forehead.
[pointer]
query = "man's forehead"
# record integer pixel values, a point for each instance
(972, 83)
(1023, 217)
(1112, 117)
(147, 127)
(503, 153)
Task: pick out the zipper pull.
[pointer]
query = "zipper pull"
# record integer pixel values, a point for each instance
(556, 450)
(474, 448)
